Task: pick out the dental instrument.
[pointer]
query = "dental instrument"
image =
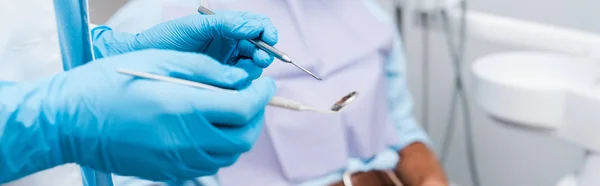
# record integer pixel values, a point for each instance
(276, 101)
(266, 47)
(344, 101)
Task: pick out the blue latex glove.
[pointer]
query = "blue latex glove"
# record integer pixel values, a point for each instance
(222, 36)
(131, 126)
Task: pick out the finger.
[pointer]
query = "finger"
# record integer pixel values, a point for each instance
(259, 57)
(200, 68)
(199, 159)
(221, 49)
(243, 137)
(236, 108)
(232, 27)
(248, 65)
(223, 138)
(200, 144)
(180, 172)
(262, 58)
(269, 34)
(237, 139)
(246, 49)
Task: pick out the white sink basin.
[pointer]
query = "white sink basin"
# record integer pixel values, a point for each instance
(557, 93)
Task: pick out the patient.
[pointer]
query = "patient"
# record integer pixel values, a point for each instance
(353, 46)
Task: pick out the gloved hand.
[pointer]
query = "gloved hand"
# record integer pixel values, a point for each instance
(221, 36)
(131, 126)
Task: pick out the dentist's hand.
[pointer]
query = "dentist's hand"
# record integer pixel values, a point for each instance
(221, 36)
(131, 126)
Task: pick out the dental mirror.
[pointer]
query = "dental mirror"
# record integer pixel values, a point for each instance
(344, 101)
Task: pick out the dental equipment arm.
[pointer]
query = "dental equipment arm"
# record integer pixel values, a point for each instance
(531, 34)
(511, 31)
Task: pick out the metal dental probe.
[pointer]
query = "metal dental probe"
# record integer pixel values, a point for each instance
(266, 47)
(280, 102)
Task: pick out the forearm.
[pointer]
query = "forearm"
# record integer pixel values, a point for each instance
(28, 138)
(419, 166)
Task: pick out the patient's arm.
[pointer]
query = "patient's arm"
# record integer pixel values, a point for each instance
(419, 166)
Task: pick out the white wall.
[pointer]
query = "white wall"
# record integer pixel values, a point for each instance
(506, 156)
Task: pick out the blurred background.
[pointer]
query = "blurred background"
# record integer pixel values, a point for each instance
(505, 155)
